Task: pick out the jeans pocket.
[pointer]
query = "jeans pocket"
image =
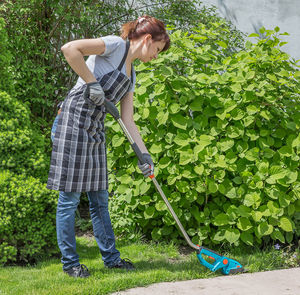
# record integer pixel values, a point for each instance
(54, 126)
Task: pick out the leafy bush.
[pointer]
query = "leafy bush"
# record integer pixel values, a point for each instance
(27, 218)
(6, 81)
(22, 148)
(123, 219)
(37, 29)
(224, 135)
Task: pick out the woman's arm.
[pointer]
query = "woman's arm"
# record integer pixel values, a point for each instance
(127, 118)
(74, 52)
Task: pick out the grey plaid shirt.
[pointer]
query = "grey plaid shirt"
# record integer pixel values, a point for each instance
(78, 160)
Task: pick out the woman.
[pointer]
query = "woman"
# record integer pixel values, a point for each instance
(78, 161)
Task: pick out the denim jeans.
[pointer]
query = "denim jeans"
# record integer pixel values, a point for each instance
(65, 224)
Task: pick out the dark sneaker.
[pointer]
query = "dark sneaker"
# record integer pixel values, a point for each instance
(124, 264)
(80, 271)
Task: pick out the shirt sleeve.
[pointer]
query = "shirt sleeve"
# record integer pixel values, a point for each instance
(112, 43)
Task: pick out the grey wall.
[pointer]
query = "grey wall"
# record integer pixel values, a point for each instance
(249, 15)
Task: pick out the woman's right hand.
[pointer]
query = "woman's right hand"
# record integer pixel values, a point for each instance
(95, 93)
(148, 167)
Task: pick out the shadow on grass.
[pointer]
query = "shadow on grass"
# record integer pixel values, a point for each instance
(185, 263)
(88, 249)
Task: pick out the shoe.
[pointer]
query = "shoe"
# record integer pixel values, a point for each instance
(80, 271)
(124, 264)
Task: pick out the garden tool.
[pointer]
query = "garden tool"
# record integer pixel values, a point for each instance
(207, 257)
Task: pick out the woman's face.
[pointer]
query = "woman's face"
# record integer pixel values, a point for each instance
(151, 49)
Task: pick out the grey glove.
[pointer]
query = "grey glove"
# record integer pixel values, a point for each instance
(94, 93)
(148, 167)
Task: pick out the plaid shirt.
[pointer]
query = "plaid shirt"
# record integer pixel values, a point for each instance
(78, 160)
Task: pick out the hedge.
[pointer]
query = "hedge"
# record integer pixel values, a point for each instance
(224, 135)
(27, 219)
(22, 146)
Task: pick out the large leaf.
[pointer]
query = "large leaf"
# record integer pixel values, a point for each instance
(196, 105)
(166, 71)
(237, 114)
(296, 142)
(117, 140)
(286, 224)
(273, 192)
(256, 215)
(174, 108)
(144, 187)
(263, 167)
(125, 179)
(247, 238)
(249, 200)
(199, 169)
(244, 224)
(149, 212)
(252, 109)
(235, 131)
(225, 144)
(162, 118)
(179, 121)
(182, 139)
(230, 105)
(236, 87)
(244, 211)
(123, 189)
(164, 162)
(212, 186)
(161, 206)
(231, 193)
(291, 176)
(276, 172)
(221, 219)
(186, 157)
(264, 229)
(219, 236)
(277, 235)
(232, 235)
(252, 154)
(156, 148)
(286, 151)
(182, 186)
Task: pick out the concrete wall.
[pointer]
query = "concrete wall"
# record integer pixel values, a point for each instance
(249, 15)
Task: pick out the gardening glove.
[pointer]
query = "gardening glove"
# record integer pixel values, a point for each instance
(94, 93)
(148, 167)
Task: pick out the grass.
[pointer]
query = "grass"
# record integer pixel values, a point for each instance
(154, 263)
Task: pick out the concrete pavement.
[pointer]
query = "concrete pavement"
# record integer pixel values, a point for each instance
(277, 282)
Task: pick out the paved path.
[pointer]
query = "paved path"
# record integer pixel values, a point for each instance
(276, 282)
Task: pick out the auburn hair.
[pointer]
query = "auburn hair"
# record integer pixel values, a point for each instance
(146, 25)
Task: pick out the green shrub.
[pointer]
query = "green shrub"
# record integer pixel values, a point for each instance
(6, 81)
(224, 135)
(22, 147)
(37, 29)
(27, 219)
(123, 219)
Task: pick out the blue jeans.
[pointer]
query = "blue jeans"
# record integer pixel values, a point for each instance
(65, 224)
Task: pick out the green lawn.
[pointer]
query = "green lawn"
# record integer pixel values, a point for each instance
(154, 263)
